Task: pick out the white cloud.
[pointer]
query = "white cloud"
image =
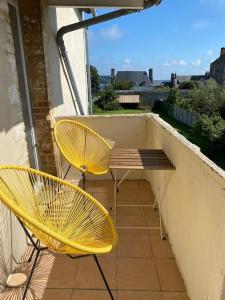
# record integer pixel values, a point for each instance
(127, 67)
(127, 61)
(200, 24)
(181, 62)
(177, 63)
(112, 33)
(196, 62)
(209, 52)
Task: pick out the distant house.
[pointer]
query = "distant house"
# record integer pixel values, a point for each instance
(161, 83)
(176, 80)
(217, 68)
(141, 79)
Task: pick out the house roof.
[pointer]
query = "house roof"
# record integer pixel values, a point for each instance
(139, 78)
(220, 60)
(161, 82)
(182, 78)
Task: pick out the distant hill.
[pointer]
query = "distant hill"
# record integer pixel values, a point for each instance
(105, 79)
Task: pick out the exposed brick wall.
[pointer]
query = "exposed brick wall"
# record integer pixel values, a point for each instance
(30, 11)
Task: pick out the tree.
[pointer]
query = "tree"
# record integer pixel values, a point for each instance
(174, 96)
(95, 80)
(210, 127)
(208, 99)
(108, 99)
(188, 85)
(123, 85)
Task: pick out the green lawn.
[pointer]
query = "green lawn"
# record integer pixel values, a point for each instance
(120, 112)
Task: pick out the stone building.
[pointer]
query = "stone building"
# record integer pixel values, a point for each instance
(217, 68)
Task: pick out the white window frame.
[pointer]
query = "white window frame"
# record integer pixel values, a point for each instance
(33, 138)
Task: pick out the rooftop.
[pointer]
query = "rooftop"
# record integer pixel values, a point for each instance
(140, 78)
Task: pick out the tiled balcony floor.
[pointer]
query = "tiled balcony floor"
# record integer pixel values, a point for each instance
(141, 268)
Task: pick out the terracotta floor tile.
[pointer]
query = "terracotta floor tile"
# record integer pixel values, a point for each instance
(129, 185)
(106, 199)
(129, 197)
(149, 211)
(62, 273)
(144, 185)
(139, 295)
(57, 294)
(131, 221)
(147, 197)
(89, 277)
(92, 295)
(169, 275)
(103, 186)
(132, 231)
(137, 274)
(161, 249)
(175, 296)
(133, 245)
(89, 186)
(153, 221)
(130, 211)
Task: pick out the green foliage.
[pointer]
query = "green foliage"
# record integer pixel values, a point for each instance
(208, 99)
(105, 79)
(175, 96)
(123, 85)
(211, 127)
(162, 89)
(188, 85)
(108, 100)
(95, 80)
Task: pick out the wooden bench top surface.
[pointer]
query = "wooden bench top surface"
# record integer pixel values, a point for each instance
(139, 159)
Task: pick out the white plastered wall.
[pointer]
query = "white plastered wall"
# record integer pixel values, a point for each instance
(193, 209)
(75, 42)
(13, 146)
(192, 198)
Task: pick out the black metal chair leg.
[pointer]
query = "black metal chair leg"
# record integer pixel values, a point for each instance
(113, 179)
(32, 253)
(84, 181)
(31, 273)
(103, 277)
(67, 172)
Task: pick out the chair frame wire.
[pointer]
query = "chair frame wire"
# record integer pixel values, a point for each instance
(38, 249)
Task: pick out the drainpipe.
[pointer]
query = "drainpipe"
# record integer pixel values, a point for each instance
(90, 98)
(84, 24)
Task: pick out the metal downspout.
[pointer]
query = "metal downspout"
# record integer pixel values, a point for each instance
(84, 24)
(76, 26)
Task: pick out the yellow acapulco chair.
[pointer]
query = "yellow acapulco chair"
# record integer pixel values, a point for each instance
(61, 216)
(83, 148)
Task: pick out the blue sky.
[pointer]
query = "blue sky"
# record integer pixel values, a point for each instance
(179, 35)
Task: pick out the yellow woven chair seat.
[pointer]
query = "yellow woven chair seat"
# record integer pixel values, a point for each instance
(65, 218)
(82, 147)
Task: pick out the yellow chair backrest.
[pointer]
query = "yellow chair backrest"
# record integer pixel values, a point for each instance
(82, 147)
(64, 217)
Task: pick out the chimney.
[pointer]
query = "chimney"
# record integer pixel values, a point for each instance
(150, 74)
(222, 52)
(173, 79)
(113, 75)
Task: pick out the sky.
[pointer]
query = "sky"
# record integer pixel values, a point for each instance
(181, 36)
